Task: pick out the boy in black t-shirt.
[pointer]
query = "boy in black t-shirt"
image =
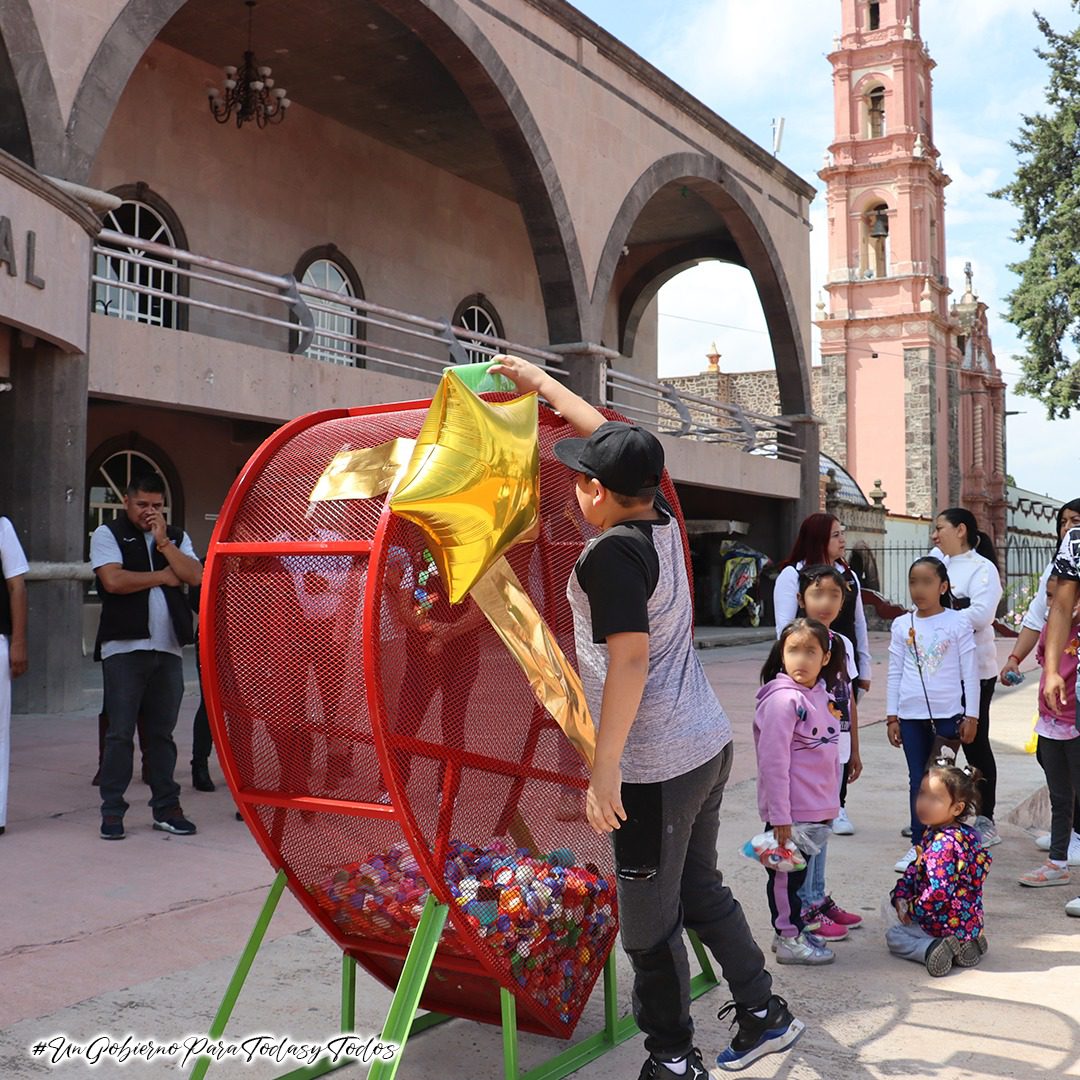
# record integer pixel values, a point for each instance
(663, 747)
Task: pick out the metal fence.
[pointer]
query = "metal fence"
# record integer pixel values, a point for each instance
(154, 283)
(1022, 559)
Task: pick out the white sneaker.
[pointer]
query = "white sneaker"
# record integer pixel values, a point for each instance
(1043, 844)
(1074, 850)
(842, 824)
(1073, 907)
(803, 949)
(987, 831)
(905, 860)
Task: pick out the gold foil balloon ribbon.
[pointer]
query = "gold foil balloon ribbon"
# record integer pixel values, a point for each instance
(363, 474)
(470, 481)
(555, 684)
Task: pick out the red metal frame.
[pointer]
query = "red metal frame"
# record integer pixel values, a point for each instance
(381, 958)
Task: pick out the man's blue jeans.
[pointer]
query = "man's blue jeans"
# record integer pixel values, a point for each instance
(918, 739)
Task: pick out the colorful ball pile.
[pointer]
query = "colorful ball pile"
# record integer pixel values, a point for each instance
(547, 918)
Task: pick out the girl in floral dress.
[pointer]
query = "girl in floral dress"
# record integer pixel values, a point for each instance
(938, 900)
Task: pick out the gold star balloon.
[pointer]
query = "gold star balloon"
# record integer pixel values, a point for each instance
(473, 481)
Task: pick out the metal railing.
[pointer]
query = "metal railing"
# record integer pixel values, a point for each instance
(225, 300)
(1022, 560)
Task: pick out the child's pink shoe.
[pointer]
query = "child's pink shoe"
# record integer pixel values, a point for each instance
(820, 925)
(838, 915)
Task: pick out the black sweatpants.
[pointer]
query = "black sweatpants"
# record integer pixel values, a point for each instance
(687, 891)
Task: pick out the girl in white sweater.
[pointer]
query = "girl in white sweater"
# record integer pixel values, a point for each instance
(932, 672)
(976, 586)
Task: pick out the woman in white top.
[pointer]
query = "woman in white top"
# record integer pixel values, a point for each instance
(821, 542)
(1068, 517)
(976, 586)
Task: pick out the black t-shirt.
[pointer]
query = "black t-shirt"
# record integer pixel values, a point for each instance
(618, 572)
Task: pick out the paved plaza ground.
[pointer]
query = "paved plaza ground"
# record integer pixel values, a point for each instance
(142, 936)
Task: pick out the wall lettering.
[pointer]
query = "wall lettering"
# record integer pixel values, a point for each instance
(7, 254)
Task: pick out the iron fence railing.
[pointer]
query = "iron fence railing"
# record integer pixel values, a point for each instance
(166, 286)
(1022, 560)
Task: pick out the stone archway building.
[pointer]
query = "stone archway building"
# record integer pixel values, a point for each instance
(511, 149)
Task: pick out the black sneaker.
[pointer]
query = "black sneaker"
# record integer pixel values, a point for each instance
(112, 828)
(175, 822)
(655, 1069)
(940, 956)
(200, 776)
(758, 1035)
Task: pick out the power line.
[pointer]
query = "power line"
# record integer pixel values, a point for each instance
(708, 322)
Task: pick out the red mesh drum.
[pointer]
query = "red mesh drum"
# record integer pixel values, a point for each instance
(384, 744)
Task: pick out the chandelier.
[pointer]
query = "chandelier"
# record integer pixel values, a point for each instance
(250, 93)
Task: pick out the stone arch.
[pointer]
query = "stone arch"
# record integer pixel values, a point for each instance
(473, 62)
(870, 80)
(751, 246)
(647, 281)
(31, 127)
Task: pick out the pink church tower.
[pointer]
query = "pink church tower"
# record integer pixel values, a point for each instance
(908, 396)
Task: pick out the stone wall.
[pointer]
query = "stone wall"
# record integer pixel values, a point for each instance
(830, 404)
(759, 391)
(920, 399)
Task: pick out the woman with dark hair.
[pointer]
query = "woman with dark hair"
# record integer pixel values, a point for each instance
(1068, 517)
(976, 585)
(821, 542)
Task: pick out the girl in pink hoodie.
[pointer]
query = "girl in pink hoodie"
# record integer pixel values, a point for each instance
(797, 739)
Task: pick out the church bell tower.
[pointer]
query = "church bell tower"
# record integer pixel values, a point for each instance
(893, 395)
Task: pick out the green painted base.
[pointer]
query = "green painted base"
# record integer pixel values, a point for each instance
(400, 1025)
(402, 1022)
(348, 996)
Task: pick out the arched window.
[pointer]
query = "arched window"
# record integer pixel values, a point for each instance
(874, 246)
(339, 334)
(113, 465)
(476, 314)
(141, 287)
(875, 112)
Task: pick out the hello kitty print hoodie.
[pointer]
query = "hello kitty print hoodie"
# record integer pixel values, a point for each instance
(797, 742)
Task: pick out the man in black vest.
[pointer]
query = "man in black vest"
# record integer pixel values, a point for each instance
(141, 565)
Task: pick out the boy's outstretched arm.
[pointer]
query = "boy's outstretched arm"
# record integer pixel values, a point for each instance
(576, 411)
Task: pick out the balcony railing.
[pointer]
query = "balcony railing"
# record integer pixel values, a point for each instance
(140, 280)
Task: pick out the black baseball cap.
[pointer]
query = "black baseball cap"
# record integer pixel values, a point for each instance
(625, 458)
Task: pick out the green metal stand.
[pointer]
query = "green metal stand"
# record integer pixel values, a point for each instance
(402, 1021)
(348, 993)
(399, 1023)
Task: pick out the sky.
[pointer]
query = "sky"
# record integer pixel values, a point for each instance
(754, 60)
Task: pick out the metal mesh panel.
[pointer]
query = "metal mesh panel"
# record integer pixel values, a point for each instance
(482, 798)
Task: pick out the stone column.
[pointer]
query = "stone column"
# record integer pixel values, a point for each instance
(807, 437)
(587, 367)
(43, 447)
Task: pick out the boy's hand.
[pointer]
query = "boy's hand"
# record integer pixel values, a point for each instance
(525, 376)
(782, 834)
(603, 803)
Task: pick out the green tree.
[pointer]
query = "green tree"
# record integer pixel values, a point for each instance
(1045, 306)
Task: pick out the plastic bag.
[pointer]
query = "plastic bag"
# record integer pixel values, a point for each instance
(810, 837)
(764, 849)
